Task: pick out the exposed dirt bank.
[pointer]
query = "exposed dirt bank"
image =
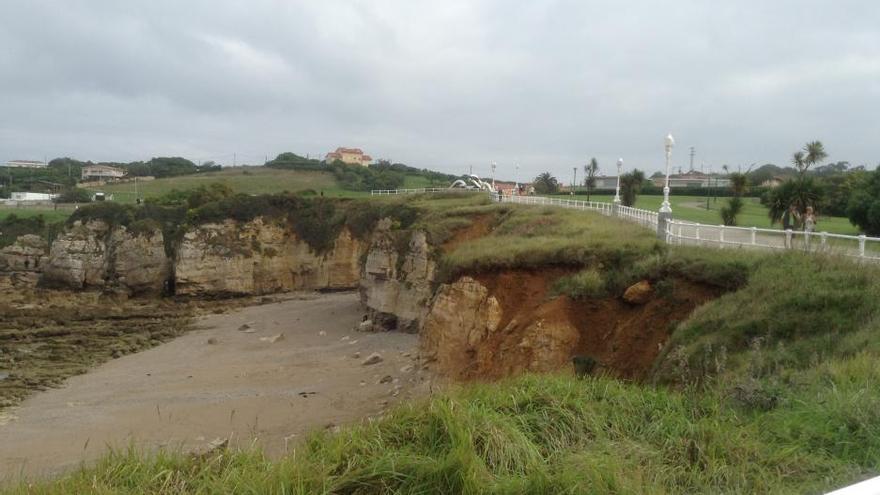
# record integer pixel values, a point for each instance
(222, 380)
(499, 324)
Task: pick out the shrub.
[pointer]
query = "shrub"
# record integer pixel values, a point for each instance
(13, 226)
(584, 284)
(864, 204)
(74, 195)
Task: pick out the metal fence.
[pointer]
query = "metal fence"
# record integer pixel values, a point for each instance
(721, 236)
(679, 232)
(388, 192)
(604, 208)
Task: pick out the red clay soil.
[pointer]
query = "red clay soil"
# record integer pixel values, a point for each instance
(479, 227)
(539, 333)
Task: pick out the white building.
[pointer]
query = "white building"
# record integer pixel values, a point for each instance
(31, 196)
(25, 164)
(606, 182)
(101, 172)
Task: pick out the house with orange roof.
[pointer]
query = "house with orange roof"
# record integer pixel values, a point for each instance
(352, 156)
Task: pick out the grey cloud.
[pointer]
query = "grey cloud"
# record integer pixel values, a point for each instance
(441, 84)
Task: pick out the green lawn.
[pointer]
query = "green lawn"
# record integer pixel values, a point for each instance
(693, 209)
(49, 213)
(246, 180)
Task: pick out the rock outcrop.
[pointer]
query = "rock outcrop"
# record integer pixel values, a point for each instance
(396, 286)
(467, 334)
(78, 257)
(639, 293)
(260, 258)
(463, 316)
(22, 262)
(138, 263)
(95, 256)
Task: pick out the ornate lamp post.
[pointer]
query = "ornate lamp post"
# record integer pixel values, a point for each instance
(666, 207)
(617, 189)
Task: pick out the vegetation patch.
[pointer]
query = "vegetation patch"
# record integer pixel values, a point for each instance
(794, 312)
(583, 284)
(533, 434)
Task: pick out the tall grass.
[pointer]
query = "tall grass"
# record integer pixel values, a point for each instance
(536, 434)
(795, 311)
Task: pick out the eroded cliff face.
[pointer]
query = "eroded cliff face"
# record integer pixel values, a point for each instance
(468, 334)
(493, 325)
(94, 256)
(22, 262)
(396, 284)
(260, 258)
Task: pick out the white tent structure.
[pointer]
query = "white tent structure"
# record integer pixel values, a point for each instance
(472, 182)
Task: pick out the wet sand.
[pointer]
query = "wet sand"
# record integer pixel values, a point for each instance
(218, 381)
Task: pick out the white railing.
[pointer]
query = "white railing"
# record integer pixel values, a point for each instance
(604, 208)
(422, 190)
(721, 236)
(680, 232)
(644, 218)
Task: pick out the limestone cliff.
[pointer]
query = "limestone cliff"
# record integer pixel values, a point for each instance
(95, 256)
(259, 258)
(78, 257)
(396, 282)
(468, 333)
(22, 262)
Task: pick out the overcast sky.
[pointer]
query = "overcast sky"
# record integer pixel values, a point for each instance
(441, 84)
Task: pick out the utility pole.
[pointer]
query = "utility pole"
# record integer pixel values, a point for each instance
(234, 160)
(472, 170)
(692, 158)
(573, 179)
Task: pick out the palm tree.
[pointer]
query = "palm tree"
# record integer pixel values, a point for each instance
(738, 183)
(545, 183)
(812, 154)
(801, 191)
(590, 170)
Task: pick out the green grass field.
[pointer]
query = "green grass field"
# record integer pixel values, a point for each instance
(245, 180)
(754, 214)
(49, 213)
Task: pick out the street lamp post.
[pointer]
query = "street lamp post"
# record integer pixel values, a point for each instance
(617, 189)
(666, 207)
(494, 166)
(665, 214)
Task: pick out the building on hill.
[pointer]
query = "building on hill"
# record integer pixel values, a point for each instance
(352, 156)
(772, 182)
(606, 182)
(691, 179)
(101, 172)
(31, 196)
(25, 164)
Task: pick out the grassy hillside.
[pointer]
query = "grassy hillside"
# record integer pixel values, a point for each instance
(245, 180)
(769, 388)
(754, 214)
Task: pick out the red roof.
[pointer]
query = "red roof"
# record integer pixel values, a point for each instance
(356, 151)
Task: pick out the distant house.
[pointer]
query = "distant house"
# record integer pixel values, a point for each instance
(691, 179)
(606, 182)
(101, 172)
(773, 182)
(25, 164)
(352, 156)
